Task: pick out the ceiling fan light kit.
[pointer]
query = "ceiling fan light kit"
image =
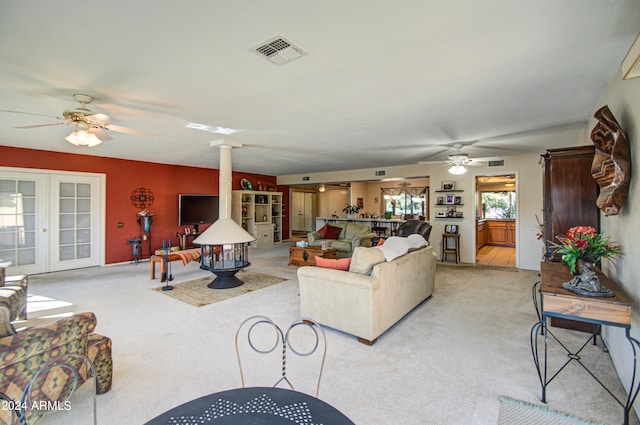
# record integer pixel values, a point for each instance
(82, 138)
(457, 169)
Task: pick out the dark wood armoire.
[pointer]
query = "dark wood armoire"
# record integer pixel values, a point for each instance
(570, 194)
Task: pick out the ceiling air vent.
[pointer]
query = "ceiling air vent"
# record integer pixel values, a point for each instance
(279, 50)
(498, 163)
(305, 178)
(380, 173)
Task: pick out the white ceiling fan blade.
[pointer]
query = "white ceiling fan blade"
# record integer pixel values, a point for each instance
(487, 159)
(102, 118)
(100, 133)
(26, 113)
(41, 125)
(126, 130)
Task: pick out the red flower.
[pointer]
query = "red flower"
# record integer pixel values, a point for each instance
(582, 244)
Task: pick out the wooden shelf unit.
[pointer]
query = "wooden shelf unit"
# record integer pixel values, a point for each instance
(259, 213)
(440, 207)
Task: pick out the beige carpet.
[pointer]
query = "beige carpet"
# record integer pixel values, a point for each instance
(446, 363)
(196, 292)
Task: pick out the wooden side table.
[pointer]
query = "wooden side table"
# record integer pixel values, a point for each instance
(555, 301)
(447, 249)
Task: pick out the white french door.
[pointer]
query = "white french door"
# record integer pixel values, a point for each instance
(50, 221)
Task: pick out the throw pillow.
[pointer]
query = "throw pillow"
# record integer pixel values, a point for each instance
(332, 232)
(363, 260)
(322, 231)
(380, 242)
(339, 264)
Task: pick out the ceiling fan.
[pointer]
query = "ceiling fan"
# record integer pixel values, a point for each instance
(89, 126)
(459, 160)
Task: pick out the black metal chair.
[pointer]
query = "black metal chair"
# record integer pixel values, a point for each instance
(248, 329)
(377, 229)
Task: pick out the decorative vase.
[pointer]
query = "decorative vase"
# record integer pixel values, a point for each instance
(387, 215)
(350, 215)
(586, 281)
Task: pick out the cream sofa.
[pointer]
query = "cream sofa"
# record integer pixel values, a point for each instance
(366, 305)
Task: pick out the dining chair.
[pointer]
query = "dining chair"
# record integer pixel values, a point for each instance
(70, 365)
(315, 343)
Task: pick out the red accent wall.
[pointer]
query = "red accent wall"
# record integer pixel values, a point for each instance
(166, 181)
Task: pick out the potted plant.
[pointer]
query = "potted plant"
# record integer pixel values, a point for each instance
(581, 248)
(351, 210)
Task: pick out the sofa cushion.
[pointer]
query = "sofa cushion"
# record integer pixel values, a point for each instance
(394, 247)
(363, 260)
(339, 264)
(329, 232)
(354, 230)
(340, 245)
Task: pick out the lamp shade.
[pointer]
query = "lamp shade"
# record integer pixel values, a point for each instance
(457, 170)
(83, 138)
(223, 232)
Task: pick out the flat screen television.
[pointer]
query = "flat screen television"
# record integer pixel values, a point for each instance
(197, 209)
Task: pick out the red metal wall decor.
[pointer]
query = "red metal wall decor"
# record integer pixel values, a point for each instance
(611, 167)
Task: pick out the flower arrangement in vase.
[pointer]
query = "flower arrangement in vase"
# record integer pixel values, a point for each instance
(581, 248)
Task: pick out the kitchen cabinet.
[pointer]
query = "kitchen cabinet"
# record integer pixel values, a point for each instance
(481, 234)
(501, 232)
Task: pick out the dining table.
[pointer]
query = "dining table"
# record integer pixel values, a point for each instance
(256, 406)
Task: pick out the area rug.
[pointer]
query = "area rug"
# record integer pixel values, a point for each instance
(517, 412)
(196, 293)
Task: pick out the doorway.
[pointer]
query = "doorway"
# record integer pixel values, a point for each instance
(50, 221)
(496, 221)
(303, 215)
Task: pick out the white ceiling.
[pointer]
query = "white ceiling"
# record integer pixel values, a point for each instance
(384, 83)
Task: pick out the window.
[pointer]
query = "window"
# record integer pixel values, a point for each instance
(405, 201)
(499, 204)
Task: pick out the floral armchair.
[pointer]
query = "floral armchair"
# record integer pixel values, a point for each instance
(23, 354)
(13, 300)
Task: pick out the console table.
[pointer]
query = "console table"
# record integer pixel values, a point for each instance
(552, 300)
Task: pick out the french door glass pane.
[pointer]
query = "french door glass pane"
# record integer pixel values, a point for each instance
(17, 222)
(75, 221)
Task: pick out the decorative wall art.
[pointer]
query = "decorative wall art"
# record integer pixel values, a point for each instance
(611, 166)
(245, 184)
(449, 199)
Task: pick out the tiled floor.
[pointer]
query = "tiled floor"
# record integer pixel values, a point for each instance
(496, 256)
